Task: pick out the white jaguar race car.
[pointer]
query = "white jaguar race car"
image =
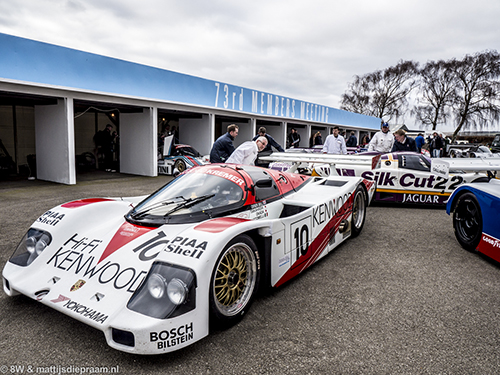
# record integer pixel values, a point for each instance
(401, 177)
(155, 273)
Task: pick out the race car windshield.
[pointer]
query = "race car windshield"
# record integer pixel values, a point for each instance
(188, 151)
(193, 195)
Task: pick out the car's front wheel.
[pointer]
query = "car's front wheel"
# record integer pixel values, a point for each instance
(468, 221)
(234, 283)
(358, 211)
(180, 165)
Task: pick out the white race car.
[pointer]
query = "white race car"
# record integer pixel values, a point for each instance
(154, 273)
(176, 158)
(403, 177)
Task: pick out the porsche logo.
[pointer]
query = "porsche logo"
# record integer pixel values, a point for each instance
(77, 285)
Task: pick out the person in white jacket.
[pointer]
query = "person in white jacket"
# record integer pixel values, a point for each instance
(335, 143)
(383, 140)
(246, 153)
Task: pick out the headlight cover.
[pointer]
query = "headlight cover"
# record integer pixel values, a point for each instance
(168, 291)
(31, 246)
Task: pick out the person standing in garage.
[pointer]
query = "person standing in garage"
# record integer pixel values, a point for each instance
(293, 139)
(104, 143)
(223, 147)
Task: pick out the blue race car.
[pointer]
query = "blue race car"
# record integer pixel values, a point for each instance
(475, 209)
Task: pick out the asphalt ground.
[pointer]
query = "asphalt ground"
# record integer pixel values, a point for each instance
(402, 298)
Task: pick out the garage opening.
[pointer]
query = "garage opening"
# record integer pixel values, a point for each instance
(17, 134)
(97, 128)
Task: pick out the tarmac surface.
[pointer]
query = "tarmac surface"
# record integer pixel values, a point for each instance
(402, 298)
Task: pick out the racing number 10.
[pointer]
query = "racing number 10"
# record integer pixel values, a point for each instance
(301, 237)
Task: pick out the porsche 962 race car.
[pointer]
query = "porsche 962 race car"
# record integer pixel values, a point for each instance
(155, 273)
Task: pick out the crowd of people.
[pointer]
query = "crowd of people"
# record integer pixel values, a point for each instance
(383, 141)
(223, 150)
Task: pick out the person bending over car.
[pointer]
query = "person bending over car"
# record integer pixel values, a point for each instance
(402, 142)
(223, 147)
(246, 153)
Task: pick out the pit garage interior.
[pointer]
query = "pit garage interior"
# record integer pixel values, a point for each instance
(49, 114)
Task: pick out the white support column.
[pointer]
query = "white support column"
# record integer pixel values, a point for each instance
(55, 142)
(138, 142)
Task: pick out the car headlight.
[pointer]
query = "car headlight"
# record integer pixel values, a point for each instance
(168, 291)
(157, 285)
(31, 246)
(177, 291)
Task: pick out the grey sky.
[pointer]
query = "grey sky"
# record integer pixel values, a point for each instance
(306, 50)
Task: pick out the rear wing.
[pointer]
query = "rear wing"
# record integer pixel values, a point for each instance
(442, 166)
(296, 159)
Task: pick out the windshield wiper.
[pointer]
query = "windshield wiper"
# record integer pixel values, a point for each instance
(189, 203)
(143, 212)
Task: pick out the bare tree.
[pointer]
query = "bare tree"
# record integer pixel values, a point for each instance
(438, 86)
(383, 93)
(478, 95)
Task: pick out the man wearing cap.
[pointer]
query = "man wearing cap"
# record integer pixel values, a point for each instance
(383, 140)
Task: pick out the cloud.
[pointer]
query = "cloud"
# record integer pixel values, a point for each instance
(307, 50)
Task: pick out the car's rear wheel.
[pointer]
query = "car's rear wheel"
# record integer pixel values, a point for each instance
(468, 221)
(234, 283)
(180, 165)
(358, 211)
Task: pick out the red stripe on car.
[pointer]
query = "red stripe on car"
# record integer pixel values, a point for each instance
(219, 225)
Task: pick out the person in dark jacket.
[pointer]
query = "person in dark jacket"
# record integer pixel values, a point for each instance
(419, 142)
(293, 139)
(268, 149)
(402, 142)
(270, 141)
(437, 145)
(352, 141)
(223, 147)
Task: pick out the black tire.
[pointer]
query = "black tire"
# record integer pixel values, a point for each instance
(468, 221)
(358, 211)
(234, 283)
(180, 165)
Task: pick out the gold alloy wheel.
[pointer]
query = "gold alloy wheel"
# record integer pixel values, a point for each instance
(180, 165)
(235, 279)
